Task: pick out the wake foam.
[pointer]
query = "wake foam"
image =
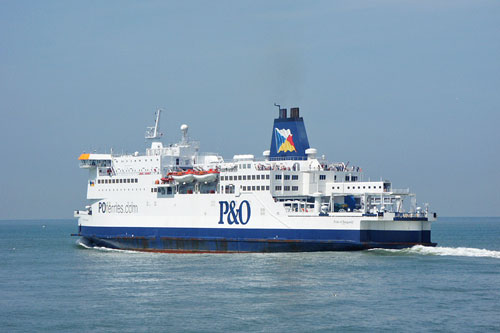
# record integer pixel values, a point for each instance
(101, 248)
(444, 251)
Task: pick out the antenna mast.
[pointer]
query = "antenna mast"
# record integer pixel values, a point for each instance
(154, 132)
(279, 106)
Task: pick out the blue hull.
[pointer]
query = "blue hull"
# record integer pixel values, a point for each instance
(249, 240)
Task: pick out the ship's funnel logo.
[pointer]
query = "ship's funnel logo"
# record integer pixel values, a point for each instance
(284, 140)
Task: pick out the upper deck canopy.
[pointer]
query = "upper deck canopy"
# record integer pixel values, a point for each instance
(94, 157)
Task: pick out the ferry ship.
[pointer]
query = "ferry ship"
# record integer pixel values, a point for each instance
(175, 198)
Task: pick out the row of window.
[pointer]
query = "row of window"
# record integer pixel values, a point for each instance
(101, 163)
(117, 181)
(286, 177)
(255, 188)
(163, 190)
(321, 177)
(280, 177)
(121, 189)
(245, 177)
(245, 166)
(286, 188)
(136, 160)
(354, 187)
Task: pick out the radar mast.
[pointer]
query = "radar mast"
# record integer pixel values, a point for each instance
(153, 132)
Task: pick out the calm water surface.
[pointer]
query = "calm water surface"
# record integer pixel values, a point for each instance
(49, 283)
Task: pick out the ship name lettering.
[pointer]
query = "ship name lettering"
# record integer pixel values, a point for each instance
(109, 208)
(234, 215)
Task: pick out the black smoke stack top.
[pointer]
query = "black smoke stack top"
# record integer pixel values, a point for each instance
(294, 113)
(283, 113)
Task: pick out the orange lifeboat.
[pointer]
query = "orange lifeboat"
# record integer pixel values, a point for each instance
(206, 176)
(183, 177)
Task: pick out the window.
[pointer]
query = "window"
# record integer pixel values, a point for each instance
(359, 187)
(253, 188)
(277, 177)
(287, 177)
(267, 188)
(258, 177)
(248, 166)
(245, 177)
(354, 178)
(348, 188)
(335, 177)
(253, 177)
(121, 181)
(295, 177)
(295, 188)
(369, 187)
(258, 188)
(136, 180)
(244, 187)
(239, 177)
(267, 176)
(129, 180)
(113, 181)
(287, 188)
(230, 177)
(346, 178)
(322, 177)
(277, 188)
(152, 190)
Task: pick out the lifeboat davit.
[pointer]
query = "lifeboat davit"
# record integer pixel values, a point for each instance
(183, 177)
(206, 176)
(167, 180)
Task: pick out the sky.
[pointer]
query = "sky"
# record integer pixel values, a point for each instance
(408, 90)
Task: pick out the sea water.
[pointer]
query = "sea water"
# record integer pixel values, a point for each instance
(50, 283)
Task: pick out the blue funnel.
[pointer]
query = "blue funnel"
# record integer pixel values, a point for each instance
(289, 139)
